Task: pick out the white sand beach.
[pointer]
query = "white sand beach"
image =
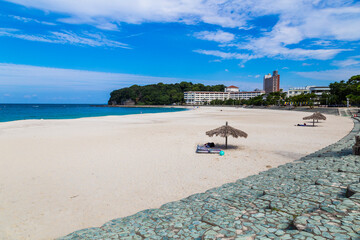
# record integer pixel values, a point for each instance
(58, 176)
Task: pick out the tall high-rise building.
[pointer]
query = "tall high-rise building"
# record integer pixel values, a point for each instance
(272, 83)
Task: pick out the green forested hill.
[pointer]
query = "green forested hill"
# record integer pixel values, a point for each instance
(158, 94)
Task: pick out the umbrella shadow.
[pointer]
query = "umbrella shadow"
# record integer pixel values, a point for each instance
(310, 124)
(230, 147)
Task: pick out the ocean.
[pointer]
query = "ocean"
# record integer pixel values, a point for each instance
(13, 112)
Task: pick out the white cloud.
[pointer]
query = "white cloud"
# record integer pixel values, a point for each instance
(107, 26)
(225, 55)
(268, 49)
(346, 63)
(309, 15)
(19, 76)
(56, 85)
(65, 37)
(257, 76)
(26, 20)
(226, 13)
(99, 23)
(331, 75)
(307, 21)
(140, 11)
(342, 23)
(306, 64)
(67, 85)
(4, 31)
(218, 36)
(321, 21)
(215, 60)
(226, 70)
(27, 76)
(322, 43)
(275, 44)
(284, 68)
(298, 21)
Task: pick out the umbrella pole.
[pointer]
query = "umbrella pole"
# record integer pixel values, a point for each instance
(226, 135)
(313, 122)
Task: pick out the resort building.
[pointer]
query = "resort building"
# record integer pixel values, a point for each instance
(318, 90)
(298, 90)
(272, 83)
(231, 92)
(231, 89)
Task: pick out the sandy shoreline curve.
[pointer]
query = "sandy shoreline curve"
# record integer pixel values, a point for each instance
(58, 176)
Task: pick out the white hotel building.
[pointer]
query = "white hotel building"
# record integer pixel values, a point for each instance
(231, 92)
(318, 90)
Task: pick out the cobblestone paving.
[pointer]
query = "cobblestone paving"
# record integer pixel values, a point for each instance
(315, 197)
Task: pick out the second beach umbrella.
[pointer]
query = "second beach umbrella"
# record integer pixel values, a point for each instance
(225, 131)
(315, 116)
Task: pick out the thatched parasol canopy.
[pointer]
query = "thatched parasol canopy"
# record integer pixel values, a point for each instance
(225, 131)
(321, 116)
(315, 116)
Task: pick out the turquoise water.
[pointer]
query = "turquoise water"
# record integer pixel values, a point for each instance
(12, 112)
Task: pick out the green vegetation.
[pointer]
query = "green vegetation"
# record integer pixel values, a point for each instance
(159, 94)
(307, 99)
(274, 98)
(342, 90)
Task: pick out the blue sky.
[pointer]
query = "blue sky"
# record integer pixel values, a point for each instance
(65, 51)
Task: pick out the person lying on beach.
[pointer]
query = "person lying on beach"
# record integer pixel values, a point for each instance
(209, 145)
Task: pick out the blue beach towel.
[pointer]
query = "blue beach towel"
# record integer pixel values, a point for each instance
(203, 149)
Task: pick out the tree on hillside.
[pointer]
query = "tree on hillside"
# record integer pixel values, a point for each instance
(342, 90)
(158, 94)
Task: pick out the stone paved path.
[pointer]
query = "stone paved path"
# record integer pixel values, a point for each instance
(315, 197)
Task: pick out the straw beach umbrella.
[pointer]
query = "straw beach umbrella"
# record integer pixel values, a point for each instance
(321, 116)
(316, 116)
(225, 131)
